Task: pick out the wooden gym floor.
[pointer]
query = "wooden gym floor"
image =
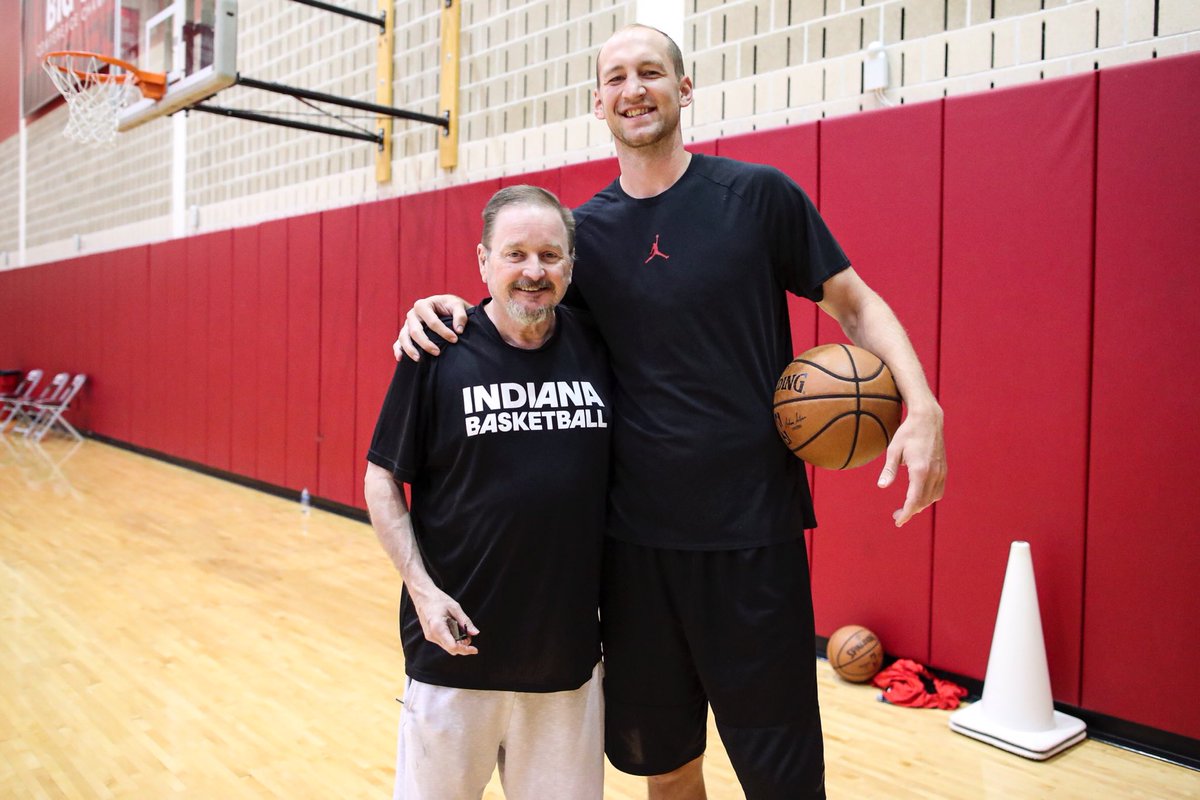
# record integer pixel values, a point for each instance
(167, 634)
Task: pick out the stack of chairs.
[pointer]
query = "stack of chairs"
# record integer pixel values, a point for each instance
(35, 416)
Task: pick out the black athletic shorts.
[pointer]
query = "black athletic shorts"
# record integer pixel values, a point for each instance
(684, 629)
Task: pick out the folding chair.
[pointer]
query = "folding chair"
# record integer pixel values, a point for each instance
(44, 415)
(17, 409)
(23, 392)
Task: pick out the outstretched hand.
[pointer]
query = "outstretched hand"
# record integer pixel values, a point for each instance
(919, 446)
(428, 312)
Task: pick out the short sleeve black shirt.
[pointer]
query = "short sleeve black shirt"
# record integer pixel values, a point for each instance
(688, 290)
(507, 454)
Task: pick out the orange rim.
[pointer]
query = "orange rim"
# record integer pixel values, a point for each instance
(151, 84)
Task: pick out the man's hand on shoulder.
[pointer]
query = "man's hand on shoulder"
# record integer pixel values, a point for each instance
(428, 311)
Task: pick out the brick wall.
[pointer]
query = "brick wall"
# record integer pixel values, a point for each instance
(92, 190)
(762, 63)
(526, 77)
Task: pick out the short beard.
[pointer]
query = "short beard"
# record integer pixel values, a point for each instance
(529, 317)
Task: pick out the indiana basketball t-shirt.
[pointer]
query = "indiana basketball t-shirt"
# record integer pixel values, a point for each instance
(507, 453)
(687, 288)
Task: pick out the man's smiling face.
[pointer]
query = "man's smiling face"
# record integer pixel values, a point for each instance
(527, 263)
(639, 93)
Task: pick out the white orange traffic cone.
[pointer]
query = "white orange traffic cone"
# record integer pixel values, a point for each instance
(1016, 712)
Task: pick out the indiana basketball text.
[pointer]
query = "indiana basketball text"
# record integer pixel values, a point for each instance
(554, 405)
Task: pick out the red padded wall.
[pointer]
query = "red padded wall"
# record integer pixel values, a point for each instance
(270, 390)
(31, 317)
(51, 347)
(550, 180)
(581, 181)
(1016, 314)
(66, 334)
(12, 290)
(884, 206)
(88, 342)
(69, 334)
(1140, 648)
(92, 407)
(109, 375)
(10, 351)
(164, 363)
(378, 321)
(219, 388)
(55, 345)
(243, 274)
(36, 318)
(60, 344)
(178, 405)
(339, 299)
(12, 342)
(303, 301)
(60, 340)
(135, 313)
(194, 399)
(792, 151)
(463, 226)
(423, 257)
(47, 348)
(97, 405)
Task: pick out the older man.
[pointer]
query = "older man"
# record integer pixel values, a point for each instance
(505, 444)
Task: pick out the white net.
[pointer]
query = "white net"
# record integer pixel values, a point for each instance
(93, 99)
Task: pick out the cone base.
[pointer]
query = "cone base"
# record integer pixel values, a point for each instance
(1036, 745)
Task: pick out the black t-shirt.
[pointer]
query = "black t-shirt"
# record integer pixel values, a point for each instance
(507, 454)
(687, 288)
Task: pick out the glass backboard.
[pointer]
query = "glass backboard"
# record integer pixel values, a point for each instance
(193, 42)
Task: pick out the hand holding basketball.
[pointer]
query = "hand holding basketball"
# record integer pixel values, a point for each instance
(837, 406)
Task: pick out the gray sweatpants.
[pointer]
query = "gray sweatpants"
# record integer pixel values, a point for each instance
(547, 745)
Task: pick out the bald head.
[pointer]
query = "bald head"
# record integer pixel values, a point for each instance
(670, 51)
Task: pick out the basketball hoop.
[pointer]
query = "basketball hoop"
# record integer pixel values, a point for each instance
(96, 88)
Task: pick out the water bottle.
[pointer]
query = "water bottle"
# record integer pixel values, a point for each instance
(305, 500)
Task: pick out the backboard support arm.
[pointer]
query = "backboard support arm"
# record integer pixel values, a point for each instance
(321, 97)
(250, 116)
(345, 12)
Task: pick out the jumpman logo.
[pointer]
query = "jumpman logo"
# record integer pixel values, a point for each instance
(654, 251)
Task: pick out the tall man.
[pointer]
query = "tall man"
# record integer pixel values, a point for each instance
(684, 262)
(505, 444)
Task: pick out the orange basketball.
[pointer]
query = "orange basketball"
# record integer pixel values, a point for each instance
(854, 653)
(836, 406)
